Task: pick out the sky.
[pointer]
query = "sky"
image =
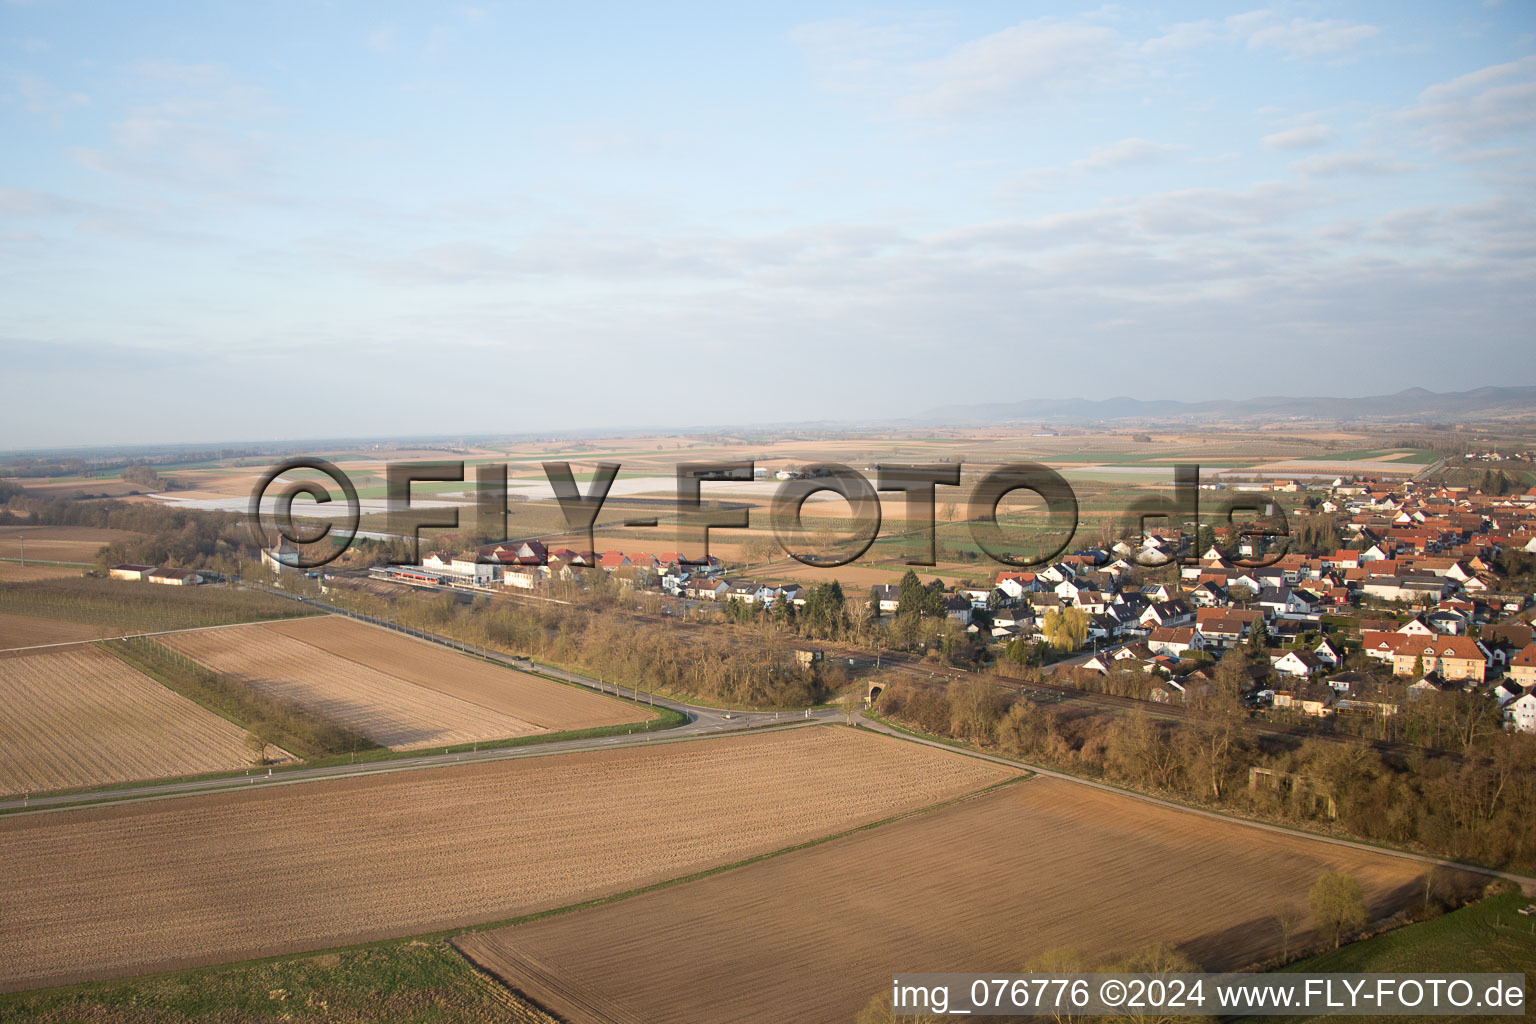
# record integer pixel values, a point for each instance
(232, 221)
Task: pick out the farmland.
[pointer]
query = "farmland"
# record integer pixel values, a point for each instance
(122, 607)
(543, 703)
(389, 710)
(139, 887)
(108, 724)
(985, 884)
(33, 631)
(58, 543)
(15, 572)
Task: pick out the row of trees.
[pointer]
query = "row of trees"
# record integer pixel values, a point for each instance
(653, 656)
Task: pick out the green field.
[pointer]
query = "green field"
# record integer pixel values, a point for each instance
(1490, 936)
(1417, 456)
(411, 982)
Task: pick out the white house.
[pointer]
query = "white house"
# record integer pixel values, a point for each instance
(1520, 713)
(1300, 664)
(1327, 653)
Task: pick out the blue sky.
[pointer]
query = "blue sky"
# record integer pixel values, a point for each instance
(338, 219)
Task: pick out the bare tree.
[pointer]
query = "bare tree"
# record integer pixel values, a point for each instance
(1290, 920)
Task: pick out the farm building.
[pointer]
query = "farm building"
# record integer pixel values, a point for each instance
(175, 577)
(130, 572)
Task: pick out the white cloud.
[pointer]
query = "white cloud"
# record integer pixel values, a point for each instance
(382, 39)
(1309, 37)
(1038, 60)
(1023, 63)
(1479, 107)
(176, 153)
(1126, 151)
(1183, 36)
(39, 96)
(1301, 137)
(1334, 165)
(16, 202)
(612, 139)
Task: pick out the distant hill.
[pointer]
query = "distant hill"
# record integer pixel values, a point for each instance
(1412, 405)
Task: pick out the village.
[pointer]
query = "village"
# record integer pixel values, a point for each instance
(1408, 603)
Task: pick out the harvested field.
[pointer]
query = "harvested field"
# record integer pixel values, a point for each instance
(32, 631)
(386, 708)
(547, 704)
(78, 717)
(15, 572)
(59, 543)
(132, 888)
(983, 885)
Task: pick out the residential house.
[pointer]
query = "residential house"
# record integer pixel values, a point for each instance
(1329, 653)
(1520, 713)
(958, 608)
(1167, 613)
(1452, 657)
(1522, 667)
(1298, 664)
(1175, 641)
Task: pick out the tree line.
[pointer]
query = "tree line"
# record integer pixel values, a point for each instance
(587, 636)
(1474, 807)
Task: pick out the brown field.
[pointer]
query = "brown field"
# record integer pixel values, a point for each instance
(983, 885)
(547, 704)
(75, 487)
(31, 631)
(58, 543)
(15, 572)
(78, 717)
(386, 708)
(133, 888)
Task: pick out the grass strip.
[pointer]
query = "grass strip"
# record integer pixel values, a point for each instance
(278, 722)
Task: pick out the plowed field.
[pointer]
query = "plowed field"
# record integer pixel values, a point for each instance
(140, 887)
